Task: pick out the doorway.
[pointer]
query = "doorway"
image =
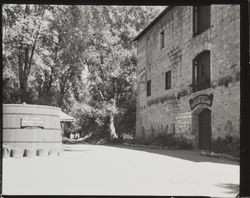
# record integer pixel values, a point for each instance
(205, 132)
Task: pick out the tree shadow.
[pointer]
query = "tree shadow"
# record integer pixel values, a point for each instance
(73, 147)
(231, 188)
(191, 155)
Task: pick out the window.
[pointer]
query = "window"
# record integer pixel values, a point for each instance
(149, 88)
(201, 71)
(201, 19)
(168, 80)
(162, 39)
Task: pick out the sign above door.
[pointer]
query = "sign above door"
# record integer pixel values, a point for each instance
(203, 99)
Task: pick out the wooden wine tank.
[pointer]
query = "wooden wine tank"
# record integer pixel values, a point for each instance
(31, 130)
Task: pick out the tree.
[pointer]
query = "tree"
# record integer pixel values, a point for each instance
(24, 26)
(43, 49)
(111, 57)
(79, 58)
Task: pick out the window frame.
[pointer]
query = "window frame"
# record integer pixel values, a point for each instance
(162, 39)
(196, 17)
(168, 79)
(199, 72)
(149, 88)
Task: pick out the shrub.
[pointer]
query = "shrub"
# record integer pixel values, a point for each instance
(166, 140)
(183, 142)
(144, 141)
(228, 145)
(95, 137)
(127, 136)
(115, 141)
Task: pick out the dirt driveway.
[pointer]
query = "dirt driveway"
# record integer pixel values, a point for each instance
(109, 170)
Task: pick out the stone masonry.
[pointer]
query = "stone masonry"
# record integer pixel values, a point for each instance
(168, 111)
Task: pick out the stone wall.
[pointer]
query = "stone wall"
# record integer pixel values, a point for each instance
(168, 110)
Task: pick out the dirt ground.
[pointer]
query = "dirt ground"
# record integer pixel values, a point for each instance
(113, 170)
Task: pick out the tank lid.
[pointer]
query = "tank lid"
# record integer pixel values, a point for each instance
(30, 105)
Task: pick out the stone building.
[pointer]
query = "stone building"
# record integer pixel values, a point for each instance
(188, 74)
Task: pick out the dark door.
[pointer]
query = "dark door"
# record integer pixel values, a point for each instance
(205, 129)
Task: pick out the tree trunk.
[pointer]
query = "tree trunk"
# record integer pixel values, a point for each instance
(25, 58)
(23, 92)
(22, 79)
(113, 134)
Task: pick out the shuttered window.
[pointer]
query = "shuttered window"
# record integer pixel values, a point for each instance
(201, 71)
(201, 19)
(162, 39)
(168, 80)
(149, 88)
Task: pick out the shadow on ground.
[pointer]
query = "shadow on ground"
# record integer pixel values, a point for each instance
(74, 147)
(231, 188)
(191, 155)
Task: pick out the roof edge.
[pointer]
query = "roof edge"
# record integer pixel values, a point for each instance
(167, 9)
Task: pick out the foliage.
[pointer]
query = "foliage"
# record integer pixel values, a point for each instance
(169, 141)
(79, 58)
(41, 50)
(228, 145)
(115, 141)
(111, 64)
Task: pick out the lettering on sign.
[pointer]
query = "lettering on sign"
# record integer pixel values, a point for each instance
(32, 122)
(203, 99)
